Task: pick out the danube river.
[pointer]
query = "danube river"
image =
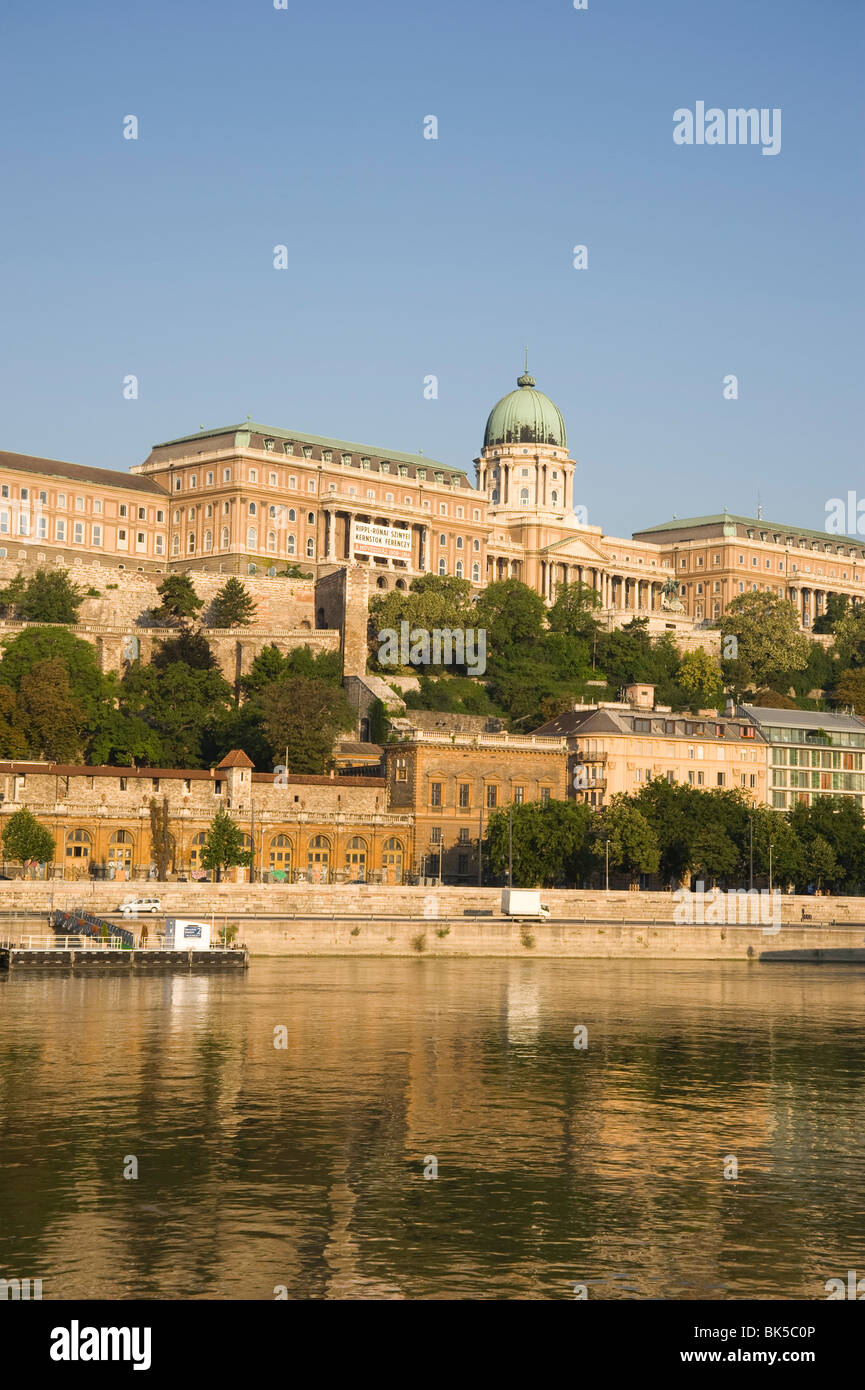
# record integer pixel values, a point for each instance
(283, 1122)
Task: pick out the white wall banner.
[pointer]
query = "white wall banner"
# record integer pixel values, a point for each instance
(369, 538)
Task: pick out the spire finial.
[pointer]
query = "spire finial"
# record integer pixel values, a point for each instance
(525, 379)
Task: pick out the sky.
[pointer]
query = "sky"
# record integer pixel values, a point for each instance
(409, 257)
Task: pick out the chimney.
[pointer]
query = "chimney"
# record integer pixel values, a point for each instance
(640, 695)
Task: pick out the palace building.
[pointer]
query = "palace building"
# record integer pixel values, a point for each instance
(248, 498)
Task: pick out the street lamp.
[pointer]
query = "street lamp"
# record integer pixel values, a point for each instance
(751, 853)
(771, 847)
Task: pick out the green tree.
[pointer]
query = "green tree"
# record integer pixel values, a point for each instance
(574, 611)
(25, 841)
(162, 841)
(189, 647)
(178, 703)
(768, 641)
(11, 595)
(511, 613)
(223, 845)
(53, 718)
(836, 607)
(233, 606)
(50, 597)
(699, 676)
(179, 601)
(303, 716)
(849, 647)
(850, 689)
(270, 665)
(13, 736)
(87, 684)
(714, 854)
(821, 862)
(633, 844)
(550, 843)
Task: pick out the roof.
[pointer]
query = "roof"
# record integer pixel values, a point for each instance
(236, 758)
(195, 774)
(525, 416)
(249, 427)
(759, 523)
(571, 723)
(79, 473)
(804, 719)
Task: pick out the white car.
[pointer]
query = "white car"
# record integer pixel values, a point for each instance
(139, 905)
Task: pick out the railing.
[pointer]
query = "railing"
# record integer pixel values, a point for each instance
(51, 942)
(502, 740)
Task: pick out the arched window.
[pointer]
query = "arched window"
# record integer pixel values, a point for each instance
(318, 859)
(292, 546)
(252, 538)
(555, 498)
(190, 543)
(208, 540)
(310, 548)
(476, 545)
(292, 514)
(524, 494)
(271, 540)
(392, 860)
(495, 496)
(224, 542)
(459, 569)
(355, 859)
(252, 509)
(196, 848)
(476, 574)
(459, 542)
(175, 544)
(443, 540)
(443, 566)
(78, 844)
(310, 517)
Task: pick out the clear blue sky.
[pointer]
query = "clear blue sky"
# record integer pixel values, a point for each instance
(408, 256)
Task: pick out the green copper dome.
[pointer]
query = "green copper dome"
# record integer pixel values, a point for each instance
(525, 416)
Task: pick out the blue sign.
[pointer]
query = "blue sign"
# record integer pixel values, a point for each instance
(192, 929)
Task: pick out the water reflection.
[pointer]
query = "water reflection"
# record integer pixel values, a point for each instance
(303, 1167)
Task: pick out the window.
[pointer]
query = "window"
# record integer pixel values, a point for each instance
(178, 484)
(160, 545)
(519, 795)
(175, 543)
(252, 539)
(42, 528)
(310, 518)
(435, 798)
(123, 510)
(253, 475)
(252, 509)
(443, 569)
(97, 504)
(463, 798)
(492, 798)
(160, 517)
(208, 540)
(210, 480)
(190, 543)
(459, 569)
(60, 530)
(4, 523)
(224, 540)
(271, 541)
(310, 548)
(401, 770)
(292, 514)
(464, 835)
(291, 546)
(79, 533)
(545, 796)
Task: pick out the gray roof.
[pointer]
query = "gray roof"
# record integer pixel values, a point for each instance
(804, 719)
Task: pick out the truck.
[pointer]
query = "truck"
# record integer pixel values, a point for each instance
(524, 902)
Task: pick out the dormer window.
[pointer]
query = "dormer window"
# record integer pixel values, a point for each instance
(268, 444)
(307, 451)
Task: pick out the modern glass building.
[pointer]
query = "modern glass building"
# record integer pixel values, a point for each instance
(810, 754)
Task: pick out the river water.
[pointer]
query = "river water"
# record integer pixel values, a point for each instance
(301, 1168)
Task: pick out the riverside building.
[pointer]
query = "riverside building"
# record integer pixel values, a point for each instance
(249, 497)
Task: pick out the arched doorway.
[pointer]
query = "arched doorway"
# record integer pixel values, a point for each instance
(392, 860)
(355, 859)
(78, 846)
(318, 859)
(198, 841)
(279, 856)
(120, 847)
